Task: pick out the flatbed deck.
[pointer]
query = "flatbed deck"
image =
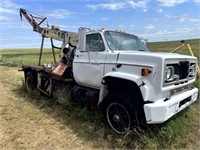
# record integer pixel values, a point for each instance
(38, 68)
(60, 73)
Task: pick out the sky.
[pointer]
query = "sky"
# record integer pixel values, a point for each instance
(154, 20)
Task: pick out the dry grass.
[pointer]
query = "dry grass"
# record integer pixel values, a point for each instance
(26, 124)
(35, 122)
(30, 121)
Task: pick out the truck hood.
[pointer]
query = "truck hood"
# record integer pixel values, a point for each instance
(149, 58)
(161, 55)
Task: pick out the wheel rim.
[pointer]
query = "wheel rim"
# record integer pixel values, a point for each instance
(28, 84)
(118, 118)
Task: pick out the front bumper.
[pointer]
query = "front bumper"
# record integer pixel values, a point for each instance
(161, 110)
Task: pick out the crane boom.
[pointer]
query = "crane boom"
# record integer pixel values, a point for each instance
(53, 32)
(32, 20)
(67, 38)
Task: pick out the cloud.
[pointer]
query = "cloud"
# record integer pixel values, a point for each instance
(69, 27)
(195, 23)
(4, 18)
(195, 20)
(159, 10)
(7, 11)
(120, 5)
(197, 1)
(110, 6)
(60, 13)
(104, 18)
(178, 31)
(132, 26)
(140, 4)
(149, 27)
(180, 18)
(120, 26)
(9, 7)
(171, 3)
(171, 34)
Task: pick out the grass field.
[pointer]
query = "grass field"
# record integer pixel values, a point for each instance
(30, 121)
(28, 56)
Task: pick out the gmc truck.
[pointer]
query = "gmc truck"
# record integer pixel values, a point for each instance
(115, 72)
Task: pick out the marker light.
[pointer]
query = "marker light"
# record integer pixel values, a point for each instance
(145, 72)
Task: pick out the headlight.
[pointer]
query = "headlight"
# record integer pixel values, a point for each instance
(169, 73)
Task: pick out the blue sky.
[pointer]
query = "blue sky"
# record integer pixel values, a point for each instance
(155, 20)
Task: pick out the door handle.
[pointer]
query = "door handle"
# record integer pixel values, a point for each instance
(79, 55)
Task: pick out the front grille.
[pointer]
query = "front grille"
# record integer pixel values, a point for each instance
(181, 69)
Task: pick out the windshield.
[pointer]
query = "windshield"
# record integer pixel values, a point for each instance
(123, 41)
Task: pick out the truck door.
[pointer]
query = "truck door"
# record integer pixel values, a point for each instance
(88, 66)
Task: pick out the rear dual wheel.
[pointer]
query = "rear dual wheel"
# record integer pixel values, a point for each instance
(30, 82)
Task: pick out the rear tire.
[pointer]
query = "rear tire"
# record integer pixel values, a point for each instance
(30, 82)
(121, 112)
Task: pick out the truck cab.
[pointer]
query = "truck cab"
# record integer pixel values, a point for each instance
(100, 55)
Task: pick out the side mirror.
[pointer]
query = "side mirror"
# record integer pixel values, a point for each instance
(82, 39)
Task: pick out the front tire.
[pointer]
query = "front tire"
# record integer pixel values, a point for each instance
(118, 118)
(121, 112)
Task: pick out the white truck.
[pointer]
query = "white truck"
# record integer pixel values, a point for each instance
(114, 71)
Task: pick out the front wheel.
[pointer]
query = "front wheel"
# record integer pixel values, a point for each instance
(122, 111)
(118, 117)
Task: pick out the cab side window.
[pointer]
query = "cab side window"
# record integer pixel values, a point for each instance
(94, 42)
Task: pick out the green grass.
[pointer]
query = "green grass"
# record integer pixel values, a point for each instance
(168, 46)
(28, 56)
(180, 132)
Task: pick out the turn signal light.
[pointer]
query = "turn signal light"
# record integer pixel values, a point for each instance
(145, 72)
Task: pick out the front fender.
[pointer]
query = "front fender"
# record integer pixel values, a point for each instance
(131, 77)
(126, 76)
